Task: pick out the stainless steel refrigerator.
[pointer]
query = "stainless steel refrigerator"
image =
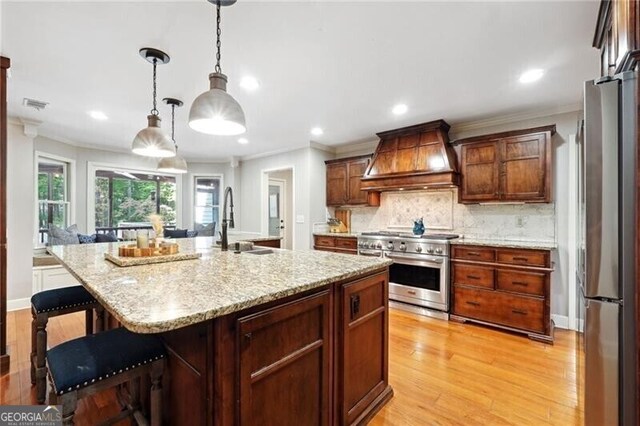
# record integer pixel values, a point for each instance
(606, 265)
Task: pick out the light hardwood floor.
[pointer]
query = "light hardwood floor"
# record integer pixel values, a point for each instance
(443, 373)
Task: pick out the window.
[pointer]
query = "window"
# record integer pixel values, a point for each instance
(207, 204)
(126, 199)
(53, 196)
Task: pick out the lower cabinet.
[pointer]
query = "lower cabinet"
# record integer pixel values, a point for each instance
(284, 364)
(361, 351)
(337, 244)
(508, 288)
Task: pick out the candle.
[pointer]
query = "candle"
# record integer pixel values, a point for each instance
(142, 239)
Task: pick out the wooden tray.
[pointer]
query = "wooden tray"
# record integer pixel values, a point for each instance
(149, 260)
(132, 250)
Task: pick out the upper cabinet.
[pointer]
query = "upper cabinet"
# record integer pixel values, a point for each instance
(344, 182)
(618, 35)
(507, 167)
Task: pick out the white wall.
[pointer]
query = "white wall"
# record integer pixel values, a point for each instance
(20, 214)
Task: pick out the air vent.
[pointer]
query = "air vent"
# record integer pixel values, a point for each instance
(32, 103)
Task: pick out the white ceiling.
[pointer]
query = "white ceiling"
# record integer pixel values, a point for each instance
(337, 65)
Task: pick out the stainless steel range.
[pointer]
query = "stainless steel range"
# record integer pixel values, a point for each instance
(419, 276)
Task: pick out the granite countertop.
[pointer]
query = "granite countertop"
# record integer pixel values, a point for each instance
(540, 245)
(336, 234)
(166, 296)
(253, 240)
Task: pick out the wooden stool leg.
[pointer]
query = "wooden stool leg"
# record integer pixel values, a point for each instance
(32, 357)
(41, 353)
(69, 402)
(156, 392)
(88, 322)
(100, 320)
(53, 398)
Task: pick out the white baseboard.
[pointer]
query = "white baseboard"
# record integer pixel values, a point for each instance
(16, 304)
(561, 321)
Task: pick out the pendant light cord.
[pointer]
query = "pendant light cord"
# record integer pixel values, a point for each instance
(154, 111)
(173, 126)
(218, 34)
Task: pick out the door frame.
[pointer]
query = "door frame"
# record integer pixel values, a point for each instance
(264, 202)
(282, 206)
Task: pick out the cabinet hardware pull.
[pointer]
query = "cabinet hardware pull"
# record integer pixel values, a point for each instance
(473, 253)
(520, 283)
(472, 303)
(520, 258)
(412, 292)
(473, 277)
(355, 305)
(519, 312)
(248, 336)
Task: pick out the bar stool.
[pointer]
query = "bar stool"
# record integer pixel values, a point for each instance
(90, 364)
(52, 303)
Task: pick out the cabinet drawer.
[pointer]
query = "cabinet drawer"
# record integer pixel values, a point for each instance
(477, 276)
(325, 241)
(515, 311)
(474, 253)
(346, 243)
(363, 297)
(522, 282)
(524, 257)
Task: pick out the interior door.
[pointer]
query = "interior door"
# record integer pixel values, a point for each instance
(276, 209)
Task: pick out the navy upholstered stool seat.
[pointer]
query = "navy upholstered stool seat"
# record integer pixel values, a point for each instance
(51, 303)
(89, 364)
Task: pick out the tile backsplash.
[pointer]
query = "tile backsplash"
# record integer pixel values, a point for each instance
(442, 213)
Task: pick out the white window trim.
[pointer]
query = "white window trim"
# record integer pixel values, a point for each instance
(92, 167)
(71, 188)
(192, 191)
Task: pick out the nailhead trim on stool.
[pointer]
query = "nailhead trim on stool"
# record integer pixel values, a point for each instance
(61, 298)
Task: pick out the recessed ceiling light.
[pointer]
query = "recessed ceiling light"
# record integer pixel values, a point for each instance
(317, 131)
(400, 109)
(243, 141)
(531, 75)
(98, 115)
(249, 83)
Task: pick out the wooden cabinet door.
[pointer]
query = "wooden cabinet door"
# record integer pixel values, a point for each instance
(480, 176)
(284, 364)
(363, 372)
(356, 171)
(337, 194)
(523, 168)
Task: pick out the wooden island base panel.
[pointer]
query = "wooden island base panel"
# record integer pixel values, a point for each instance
(289, 338)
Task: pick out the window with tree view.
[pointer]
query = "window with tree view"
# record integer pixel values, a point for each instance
(207, 204)
(53, 202)
(126, 199)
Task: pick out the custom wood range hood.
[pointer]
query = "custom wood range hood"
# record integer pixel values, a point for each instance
(414, 157)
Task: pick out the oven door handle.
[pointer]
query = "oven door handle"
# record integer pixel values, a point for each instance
(417, 260)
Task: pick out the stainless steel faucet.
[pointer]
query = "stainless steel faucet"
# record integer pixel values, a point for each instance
(228, 192)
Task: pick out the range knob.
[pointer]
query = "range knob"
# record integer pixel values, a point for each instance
(403, 247)
(389, 245)
(429, 250)
(379, 246)
(439, 250)
(419, 249)
(360, 244)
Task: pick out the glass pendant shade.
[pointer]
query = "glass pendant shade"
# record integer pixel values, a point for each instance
(215, 112)
(152, 141)
(172, 165)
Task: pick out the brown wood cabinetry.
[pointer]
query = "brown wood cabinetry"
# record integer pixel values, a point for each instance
(507, 167)
(337, 244)
(505, 287)
(618, 36)
(344, 182)
(275, 243)
(284, 363)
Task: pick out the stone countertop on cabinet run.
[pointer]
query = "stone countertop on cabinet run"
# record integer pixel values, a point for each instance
(337, 234)
(517, 244)
(166, 296)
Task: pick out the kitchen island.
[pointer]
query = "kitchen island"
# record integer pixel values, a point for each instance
(280, 338)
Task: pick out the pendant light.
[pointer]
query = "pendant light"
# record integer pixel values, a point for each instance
(173, 164)
(152, 141)
(215, 112)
